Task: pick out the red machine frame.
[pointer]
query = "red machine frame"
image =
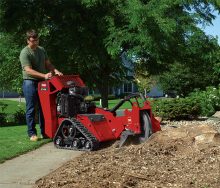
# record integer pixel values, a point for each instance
(109, 128)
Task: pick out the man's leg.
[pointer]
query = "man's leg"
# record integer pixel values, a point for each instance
(41, 119)
(29, 90)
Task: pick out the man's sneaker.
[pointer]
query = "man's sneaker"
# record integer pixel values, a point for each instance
(34, 138)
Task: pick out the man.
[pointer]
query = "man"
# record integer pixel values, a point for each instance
(35, 64)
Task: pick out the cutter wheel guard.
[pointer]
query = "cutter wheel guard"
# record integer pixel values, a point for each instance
(74, 123)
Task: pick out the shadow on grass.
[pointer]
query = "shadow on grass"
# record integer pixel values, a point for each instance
(12, 125)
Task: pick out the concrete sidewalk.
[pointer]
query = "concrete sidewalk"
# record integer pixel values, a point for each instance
(23, 171)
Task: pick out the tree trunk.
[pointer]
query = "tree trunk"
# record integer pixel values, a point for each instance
(145, 92)
(104, 95)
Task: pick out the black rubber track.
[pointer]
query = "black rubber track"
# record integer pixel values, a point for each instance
(65, 142)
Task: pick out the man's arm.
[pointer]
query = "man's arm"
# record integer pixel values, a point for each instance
(37, 74)
(50, 67)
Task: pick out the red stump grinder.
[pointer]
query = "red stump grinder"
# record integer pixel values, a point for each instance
(77, 124)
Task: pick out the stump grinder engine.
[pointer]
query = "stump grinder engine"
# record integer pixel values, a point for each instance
(77, 124)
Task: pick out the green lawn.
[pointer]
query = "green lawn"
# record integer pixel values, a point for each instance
(14, 141)
(12, 107)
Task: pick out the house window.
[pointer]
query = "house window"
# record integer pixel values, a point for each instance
(128, 88)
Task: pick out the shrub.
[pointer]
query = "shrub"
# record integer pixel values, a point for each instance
(198, 103)
(2, 107)
(209, 100)
(19, 116)
(2, 114)
(176, 109)
(2, 119)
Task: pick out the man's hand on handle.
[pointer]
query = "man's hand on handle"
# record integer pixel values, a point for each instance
(48, 76)
(56, 72)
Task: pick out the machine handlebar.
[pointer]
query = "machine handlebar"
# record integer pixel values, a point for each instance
(127, 98)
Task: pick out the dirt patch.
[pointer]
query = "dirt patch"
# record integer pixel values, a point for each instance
(184, 156)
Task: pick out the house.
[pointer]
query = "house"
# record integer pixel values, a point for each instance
(129, 86)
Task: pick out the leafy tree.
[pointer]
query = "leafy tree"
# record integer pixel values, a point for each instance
(217, 64)
(10, 77)
(157, 31)
(197, 70)
(74, 34)
(165, 36)
(142, 77)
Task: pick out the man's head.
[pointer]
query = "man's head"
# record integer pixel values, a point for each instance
(32, 38)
